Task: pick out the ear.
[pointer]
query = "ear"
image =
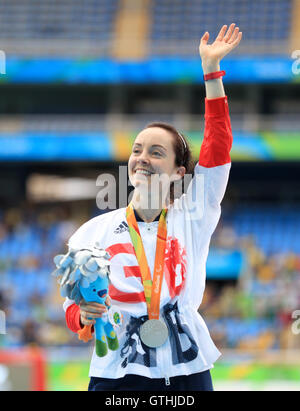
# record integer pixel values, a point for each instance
(179, 173)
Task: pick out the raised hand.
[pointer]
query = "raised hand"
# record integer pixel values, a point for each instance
(226, 40)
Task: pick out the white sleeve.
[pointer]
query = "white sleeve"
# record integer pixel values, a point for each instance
(85, 236)
(202, 202)
(67, 303)
(80, 239)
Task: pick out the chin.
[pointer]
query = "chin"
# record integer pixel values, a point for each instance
(139, 179)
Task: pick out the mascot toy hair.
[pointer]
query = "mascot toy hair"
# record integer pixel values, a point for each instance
(84, 274)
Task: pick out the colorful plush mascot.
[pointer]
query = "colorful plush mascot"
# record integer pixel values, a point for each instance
(84, 274)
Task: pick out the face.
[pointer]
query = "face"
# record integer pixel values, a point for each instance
(153, 154)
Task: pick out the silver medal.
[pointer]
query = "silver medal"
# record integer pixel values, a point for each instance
(154, 333)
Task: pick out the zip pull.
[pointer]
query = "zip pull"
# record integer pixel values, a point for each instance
(167, 381)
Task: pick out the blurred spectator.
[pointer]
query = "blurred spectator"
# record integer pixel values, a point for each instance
(30, 333)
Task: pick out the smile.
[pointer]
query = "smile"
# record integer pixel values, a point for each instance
(144, 172)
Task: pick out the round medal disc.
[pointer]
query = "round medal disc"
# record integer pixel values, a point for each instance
(154, 333)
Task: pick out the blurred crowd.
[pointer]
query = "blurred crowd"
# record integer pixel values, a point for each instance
(251, 312)
(256, 311)
(29, 239)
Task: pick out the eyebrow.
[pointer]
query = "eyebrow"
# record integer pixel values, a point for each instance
(154, 145)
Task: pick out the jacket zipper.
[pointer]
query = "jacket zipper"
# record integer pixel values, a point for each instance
(164, 354)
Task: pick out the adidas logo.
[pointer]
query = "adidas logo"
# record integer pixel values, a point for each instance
(122, 227)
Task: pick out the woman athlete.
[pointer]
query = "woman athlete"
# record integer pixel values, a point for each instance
(159, 245)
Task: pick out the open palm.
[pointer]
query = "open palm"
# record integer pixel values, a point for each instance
(225, 41)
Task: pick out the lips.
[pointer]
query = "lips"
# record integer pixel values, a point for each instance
(143, 171)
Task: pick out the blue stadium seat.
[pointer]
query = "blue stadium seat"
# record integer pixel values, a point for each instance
(266, 21)
(65, 19)
(275, 229)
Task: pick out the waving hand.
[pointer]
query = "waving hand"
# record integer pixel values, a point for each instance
(224, 43)
(212, 54)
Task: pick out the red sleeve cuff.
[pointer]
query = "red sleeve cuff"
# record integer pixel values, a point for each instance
(73, 318)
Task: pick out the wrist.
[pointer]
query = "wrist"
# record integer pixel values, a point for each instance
(210, 67)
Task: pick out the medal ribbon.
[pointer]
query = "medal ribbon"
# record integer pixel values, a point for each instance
(152, 290)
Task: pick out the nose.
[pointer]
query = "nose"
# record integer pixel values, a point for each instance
(143, 160)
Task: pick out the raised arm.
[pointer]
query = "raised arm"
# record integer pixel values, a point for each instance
(212, 54)
(216, 146)
(206, 191)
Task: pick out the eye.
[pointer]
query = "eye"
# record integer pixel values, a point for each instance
(94, 290)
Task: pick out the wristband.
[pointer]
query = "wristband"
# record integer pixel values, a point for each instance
(214, 75)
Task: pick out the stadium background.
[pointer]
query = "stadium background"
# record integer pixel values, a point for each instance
(81, 79)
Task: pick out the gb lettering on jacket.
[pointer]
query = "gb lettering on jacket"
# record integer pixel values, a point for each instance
(175, 268)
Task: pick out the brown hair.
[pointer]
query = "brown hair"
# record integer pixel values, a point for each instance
(183, 153)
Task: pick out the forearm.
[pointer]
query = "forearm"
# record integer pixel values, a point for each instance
(214, 88)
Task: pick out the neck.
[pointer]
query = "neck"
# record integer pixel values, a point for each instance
(147, 214)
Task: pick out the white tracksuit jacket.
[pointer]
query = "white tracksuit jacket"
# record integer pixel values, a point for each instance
(191, 221)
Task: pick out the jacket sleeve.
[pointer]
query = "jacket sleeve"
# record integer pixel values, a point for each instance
(217, 142)
(202, 202)
(73, 318)
(214, 159)
(72, 311)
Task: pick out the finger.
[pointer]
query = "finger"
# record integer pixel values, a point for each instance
(93, 310)
(84, 321)
(205, 37)
(239, 38)
(93, 303)
(91, 316)
(88, 315)
(220, 36)
(95, 307)
(87, 322)
(229, 32)
(234, 36)
(236, 42)
(108, 301)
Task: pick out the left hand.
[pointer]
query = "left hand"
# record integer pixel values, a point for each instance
(225, 42)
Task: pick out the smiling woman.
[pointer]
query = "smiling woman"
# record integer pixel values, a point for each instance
(158, 151)
(158, 253)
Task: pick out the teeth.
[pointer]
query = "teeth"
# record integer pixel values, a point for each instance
(147, 173)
